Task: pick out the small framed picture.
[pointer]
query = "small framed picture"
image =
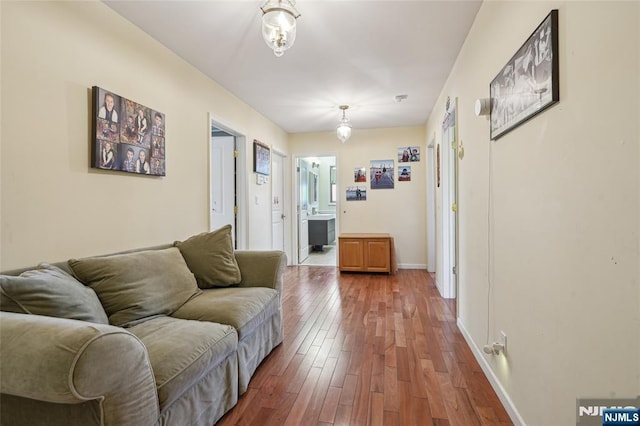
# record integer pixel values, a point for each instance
(356, 193)
(408, 153)
(404, 173)
(261, 158)
(381, 174)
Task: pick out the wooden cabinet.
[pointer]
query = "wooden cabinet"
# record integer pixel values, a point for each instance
(366, 253)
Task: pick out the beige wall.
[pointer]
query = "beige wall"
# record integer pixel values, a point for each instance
(400, 211)
(1, 226)
(53, 205)
(562, 280)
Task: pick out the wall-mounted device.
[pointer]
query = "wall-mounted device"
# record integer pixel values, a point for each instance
(497, 347)
(482, 106)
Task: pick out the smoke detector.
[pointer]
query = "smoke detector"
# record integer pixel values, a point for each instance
(400, 98)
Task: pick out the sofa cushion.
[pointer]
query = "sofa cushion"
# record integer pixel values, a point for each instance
(182, 352)
(243, 308)
(210, 257)
(52, 292)
(139, 285)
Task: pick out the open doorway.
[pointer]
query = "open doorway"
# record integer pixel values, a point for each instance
(226, 181)
(317, 203)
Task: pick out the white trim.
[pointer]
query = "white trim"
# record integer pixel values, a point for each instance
(438, 285)
(447, 288)
(512, 411)
(286, 158)
(431, 206)
(412, 266)
(282, 157)
(295, 190)
(241, 178)
(280, 153)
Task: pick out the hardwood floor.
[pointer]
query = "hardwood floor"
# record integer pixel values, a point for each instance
(365, 349)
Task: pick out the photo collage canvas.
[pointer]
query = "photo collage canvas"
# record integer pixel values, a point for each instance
(128, 136)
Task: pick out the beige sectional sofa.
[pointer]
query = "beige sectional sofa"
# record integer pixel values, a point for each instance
(169, 335)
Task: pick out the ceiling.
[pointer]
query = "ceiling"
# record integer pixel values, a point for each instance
(359, 53)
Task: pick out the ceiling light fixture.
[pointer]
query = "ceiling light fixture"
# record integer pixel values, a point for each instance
(279, 24)
(344, 128)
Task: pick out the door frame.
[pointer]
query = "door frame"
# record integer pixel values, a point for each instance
(240, 179)
(448, 281)
(300, 176)
(431, 205)
(295, 190)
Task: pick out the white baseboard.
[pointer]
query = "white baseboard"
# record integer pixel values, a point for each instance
(512, 411)
(412, 266)
(438, 285)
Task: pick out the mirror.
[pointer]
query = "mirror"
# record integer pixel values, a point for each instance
(333, 187)
(303, 186)
(313, 189)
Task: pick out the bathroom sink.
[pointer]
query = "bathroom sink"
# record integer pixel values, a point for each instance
(321, 216)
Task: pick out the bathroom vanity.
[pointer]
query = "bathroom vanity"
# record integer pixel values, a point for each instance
(322, 230)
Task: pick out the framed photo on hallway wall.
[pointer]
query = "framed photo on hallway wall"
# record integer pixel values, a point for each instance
(127, 136)
(529, 83)
(261, 158)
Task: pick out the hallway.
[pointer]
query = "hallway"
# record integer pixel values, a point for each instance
(367, 349)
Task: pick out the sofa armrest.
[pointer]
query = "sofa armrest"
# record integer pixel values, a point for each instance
(68, 361)
(262, 268)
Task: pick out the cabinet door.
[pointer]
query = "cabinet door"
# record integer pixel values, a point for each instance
(377, 255)
(331, 231)
(351, 255)
(317, 232)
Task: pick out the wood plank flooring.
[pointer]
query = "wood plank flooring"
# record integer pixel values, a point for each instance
(365, 349)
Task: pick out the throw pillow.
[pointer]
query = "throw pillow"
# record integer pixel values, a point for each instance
(138, 285)
(52, 292)
(210, 257)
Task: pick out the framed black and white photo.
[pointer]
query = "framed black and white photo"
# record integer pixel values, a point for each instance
(529, 83)
(261, 158)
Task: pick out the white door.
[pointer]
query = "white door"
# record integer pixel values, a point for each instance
(431, 206)
(277, 202)
(446, 277)
(303, 205)
(222, 183)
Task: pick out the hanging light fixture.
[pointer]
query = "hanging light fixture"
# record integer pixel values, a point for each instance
(279, 24)
(344, 128)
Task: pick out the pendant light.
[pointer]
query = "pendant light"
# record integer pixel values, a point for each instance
(344, 128)
(279, 24)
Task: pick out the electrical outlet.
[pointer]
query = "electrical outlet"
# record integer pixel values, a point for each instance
(503, 339)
